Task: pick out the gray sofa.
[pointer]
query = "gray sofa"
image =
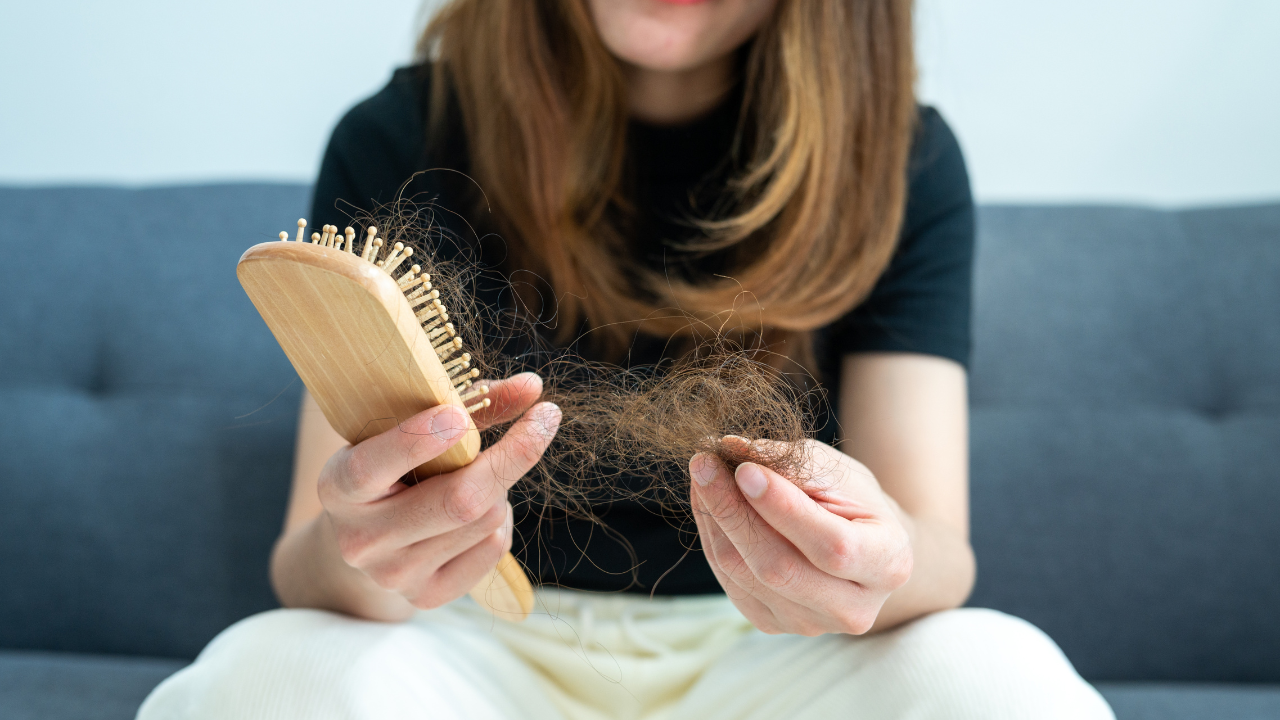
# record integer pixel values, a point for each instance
(1126, 442)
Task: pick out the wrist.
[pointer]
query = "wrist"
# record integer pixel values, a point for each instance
(943, 572)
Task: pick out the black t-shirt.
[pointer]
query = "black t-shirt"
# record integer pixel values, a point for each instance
(920, 304)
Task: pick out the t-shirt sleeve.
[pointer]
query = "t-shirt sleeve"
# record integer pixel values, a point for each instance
(374, 149)
(922, 302)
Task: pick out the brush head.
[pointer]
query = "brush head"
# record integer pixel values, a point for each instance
(374, 349)
(373, 343)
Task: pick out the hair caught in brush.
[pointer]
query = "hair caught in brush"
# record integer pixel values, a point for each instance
(626, 433)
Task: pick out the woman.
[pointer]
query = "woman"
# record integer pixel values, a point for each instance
(639, 155)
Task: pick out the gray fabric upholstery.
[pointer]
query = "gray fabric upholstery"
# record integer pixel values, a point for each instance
(1192, 701)
(1126, 440)
(148, 416)
(1126, 435)
(50, 686)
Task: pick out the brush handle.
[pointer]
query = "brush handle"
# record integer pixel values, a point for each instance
(351, 335)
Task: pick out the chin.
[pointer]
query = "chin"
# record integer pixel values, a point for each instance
(675, 35)
(671, 54)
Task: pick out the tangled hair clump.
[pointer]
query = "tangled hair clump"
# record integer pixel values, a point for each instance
(625, 433)
(621, 426)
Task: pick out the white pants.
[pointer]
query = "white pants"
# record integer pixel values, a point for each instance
(587, 657)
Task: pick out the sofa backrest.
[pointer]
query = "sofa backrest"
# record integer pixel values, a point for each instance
(1126, 426)
(147, 416)
(1126, 435)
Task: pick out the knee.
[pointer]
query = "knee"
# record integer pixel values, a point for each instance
(962, 631)
(273, 633)
(979, 663)
(306, 659)
(310, 646)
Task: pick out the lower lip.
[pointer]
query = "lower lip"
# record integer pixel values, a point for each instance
(682, 2)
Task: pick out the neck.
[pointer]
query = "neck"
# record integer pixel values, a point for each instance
(668, 97)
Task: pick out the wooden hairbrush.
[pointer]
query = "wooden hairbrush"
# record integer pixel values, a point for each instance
(373, 350)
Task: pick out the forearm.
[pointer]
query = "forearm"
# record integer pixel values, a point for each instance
(307, 571)
(941, 578)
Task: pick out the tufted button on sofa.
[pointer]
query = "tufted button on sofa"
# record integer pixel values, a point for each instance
(1126, 442)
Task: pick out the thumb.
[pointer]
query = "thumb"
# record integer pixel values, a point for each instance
(372, 466)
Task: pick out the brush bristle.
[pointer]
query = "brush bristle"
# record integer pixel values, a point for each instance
(431, 314)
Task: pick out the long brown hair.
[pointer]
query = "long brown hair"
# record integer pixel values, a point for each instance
(814, 212)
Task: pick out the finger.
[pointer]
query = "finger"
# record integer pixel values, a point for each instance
(751, 608)
(452, 500)
(710, 535)
(444, 548)
(408, 568)
(458, 576)
(508, 398)
(507, 460)
(719, 548)
(724, 557)
(771, 558)
(730, 562)
(767, 610)
(862, 550)
(835, 481)
(367, 471)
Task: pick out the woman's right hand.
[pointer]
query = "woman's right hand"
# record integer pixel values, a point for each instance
(432, 542)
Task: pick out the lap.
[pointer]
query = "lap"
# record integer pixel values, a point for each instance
(959, 664)
(288, 664)
(595, 658)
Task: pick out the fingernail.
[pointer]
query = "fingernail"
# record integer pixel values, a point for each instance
(448, 424)
(751, 480)
(703, 469)
(548, 419)
(507, 525)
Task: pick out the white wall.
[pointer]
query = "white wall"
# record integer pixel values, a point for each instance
(1166, 101)
(1161, 101)
(145, 91)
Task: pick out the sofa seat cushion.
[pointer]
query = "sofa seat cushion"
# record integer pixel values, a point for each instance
(1192, 701)
(53, 686)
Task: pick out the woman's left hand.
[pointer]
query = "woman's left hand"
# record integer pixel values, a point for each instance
(822, 559)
